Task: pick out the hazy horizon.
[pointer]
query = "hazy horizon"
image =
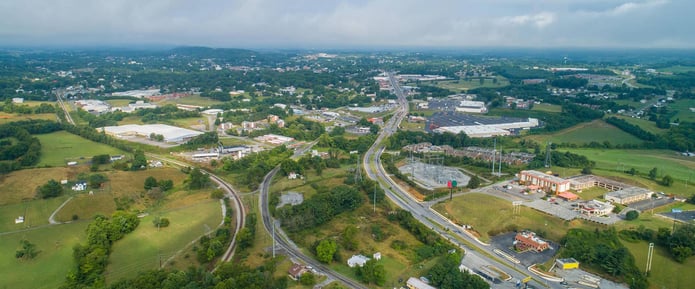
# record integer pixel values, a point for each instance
(359, 24)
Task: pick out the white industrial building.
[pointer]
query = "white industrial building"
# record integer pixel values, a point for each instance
(137, 93)
(171, 134)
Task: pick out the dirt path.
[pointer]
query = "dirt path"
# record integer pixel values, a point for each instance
(51, 219)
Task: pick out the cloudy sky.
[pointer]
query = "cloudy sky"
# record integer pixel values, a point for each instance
(350, 23)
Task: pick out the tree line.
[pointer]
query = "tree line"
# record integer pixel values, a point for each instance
(320, 208)
(602, 251)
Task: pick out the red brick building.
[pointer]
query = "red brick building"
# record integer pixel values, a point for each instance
(526, 240)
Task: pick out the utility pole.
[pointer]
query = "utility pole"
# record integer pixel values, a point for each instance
(375, 198)
(650, 253)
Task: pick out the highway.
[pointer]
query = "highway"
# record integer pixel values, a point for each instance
(61, 102)
(423, 213)
(282, 242)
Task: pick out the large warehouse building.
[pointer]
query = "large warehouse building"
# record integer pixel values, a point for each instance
(477, 126)
(171, 134)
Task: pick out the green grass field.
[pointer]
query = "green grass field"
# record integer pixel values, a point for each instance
(677, 69)
(141, 249)
(666, 162)
(119, 102)
(11, 117)
(59, 147)
(683, 107)
(190, 122)
(87, 206)
(647, 125)
(35, 212)
(547, 107)
(487, 213)
(665, 272)
(49, 268)
(191, 100)
(598, 131)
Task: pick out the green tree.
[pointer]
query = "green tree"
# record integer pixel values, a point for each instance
(372, 272)
(95, 180)
(28, 251)
(307, 279)
(667, 180)
(325, 250)
(165, 185)
(474, 182)
(50, 190)
(631, 215)
(349, 238)
(197, 179)
(652, 173)
(139, 161)
(150, 182)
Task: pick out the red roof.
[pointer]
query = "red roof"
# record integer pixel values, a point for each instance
(568, 196)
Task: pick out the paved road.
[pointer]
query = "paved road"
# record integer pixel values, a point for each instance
(446, 229)
(282, 242)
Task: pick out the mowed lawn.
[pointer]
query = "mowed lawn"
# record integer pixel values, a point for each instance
(35, 212)
(665, 273)
(49, 268)
(666, 162)
(487, 213)
(595, 131)
(59, 147)
(547, 107)
(141, 249)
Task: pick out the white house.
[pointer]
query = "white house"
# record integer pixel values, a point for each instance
(357, 260)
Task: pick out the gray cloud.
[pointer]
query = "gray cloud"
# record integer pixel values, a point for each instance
(317, 23)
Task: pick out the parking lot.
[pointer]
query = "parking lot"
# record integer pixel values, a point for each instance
(505, 242)
(650, 203)
(684, 216)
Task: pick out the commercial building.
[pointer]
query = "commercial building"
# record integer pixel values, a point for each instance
(546, 182)
(567, 263)
(414, 283)
(595, 208)
(578, 183)
(477, 126)
(628, 195)
(171, 134)
(524, 241)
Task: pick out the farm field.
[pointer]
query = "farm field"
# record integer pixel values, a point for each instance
(49, 268)
(487, 214)
(11, 117)
(18, 186)
(683, 107)
(191, 100)
(141, 249)
(57, 148)
(677, 69)
(649, 126)
(547, 107)
(595, 131)
(666, 162)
